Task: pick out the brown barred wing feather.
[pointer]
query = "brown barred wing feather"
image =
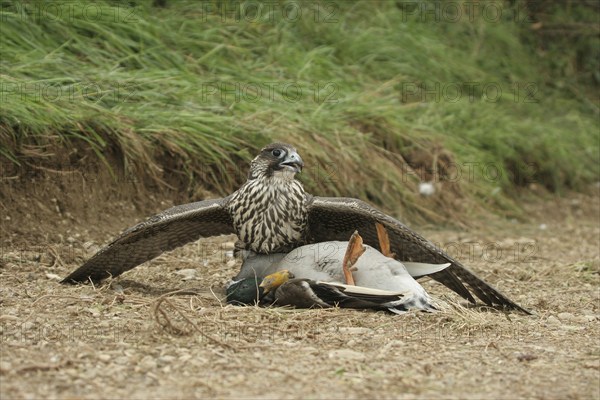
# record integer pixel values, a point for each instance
(166, 231)
(336, 218)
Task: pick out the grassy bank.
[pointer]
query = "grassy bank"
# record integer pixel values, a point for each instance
(377, 95)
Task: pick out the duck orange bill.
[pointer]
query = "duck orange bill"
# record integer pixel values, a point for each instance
(384, 240)
(273, 281)
(353, 252)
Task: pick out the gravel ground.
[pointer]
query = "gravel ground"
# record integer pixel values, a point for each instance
(137, 337)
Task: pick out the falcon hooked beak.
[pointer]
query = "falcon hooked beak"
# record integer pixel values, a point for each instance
(291, 162)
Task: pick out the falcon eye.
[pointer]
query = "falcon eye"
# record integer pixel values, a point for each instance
(277, 153)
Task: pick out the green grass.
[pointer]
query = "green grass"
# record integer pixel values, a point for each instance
(148, 83)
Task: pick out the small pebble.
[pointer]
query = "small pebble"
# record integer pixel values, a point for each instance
(187, 274)
(355, 330)
(117, 288)
(147, 363)
(346, 355)
(553, 320)
(166, 359)
(565, 316)
(122, 360)
(584, 319)
(5, 366)
(95, 312)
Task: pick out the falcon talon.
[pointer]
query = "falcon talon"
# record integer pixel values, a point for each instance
(272, 214)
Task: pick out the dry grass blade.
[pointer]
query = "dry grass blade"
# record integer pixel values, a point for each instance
(164, 319)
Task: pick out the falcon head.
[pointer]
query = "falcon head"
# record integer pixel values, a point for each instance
(275, 159)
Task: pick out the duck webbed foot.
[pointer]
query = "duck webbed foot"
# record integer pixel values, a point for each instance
(353, 252)
(384, 241)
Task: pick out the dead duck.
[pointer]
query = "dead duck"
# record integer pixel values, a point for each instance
(307, 293)
(311, 276)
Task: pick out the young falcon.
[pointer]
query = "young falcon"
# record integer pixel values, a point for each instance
(271, 213)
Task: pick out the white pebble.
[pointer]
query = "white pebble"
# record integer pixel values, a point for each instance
(426, 188)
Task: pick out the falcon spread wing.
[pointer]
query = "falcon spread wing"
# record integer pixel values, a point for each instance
(172, 228)
(265, 213)
(271, 213)
(336, 218)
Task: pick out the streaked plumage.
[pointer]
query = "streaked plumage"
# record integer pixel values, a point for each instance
(278, 197)
(271, 213)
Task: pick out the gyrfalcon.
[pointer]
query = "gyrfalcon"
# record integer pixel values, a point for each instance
(271, 213)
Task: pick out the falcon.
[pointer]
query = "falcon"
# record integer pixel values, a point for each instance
(271, 213)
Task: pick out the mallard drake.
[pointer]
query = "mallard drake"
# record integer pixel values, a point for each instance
(246, 291)
(307, 293)
(317, 270)
(283, 289)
